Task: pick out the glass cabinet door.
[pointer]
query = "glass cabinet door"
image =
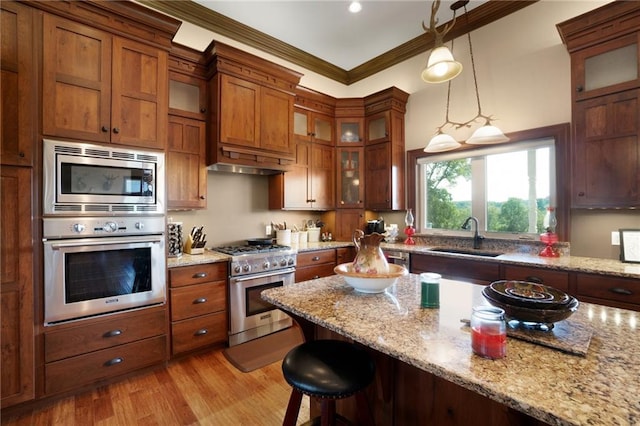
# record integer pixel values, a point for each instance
(187, 96)
(350, 177)
(378, 128)
(350, 131)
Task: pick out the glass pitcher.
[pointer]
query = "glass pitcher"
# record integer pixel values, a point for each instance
(370, 258)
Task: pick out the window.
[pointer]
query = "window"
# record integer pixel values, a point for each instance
(508, 187)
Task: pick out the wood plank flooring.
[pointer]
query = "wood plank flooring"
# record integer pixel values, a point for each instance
(202, 389)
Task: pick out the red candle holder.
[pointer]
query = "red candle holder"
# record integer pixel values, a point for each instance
(409, 231)
(549, 238)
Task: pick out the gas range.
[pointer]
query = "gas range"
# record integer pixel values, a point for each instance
(255, 259)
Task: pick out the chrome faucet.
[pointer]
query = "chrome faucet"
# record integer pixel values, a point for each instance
(477, 238)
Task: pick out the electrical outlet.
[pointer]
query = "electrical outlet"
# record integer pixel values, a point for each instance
(615, 238)
(267, 230)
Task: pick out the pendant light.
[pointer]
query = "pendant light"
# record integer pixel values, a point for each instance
(487, 134)
(441, 66)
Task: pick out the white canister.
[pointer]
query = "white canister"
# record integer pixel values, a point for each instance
(283, 237)
(314, 234)
(302, 237)
(295, 238)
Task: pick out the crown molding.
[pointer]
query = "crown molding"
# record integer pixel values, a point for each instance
(203, 17)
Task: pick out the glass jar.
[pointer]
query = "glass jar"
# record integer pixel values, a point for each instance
(488, 332)
(430, 290)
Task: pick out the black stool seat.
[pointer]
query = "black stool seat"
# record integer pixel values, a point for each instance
(327, 369)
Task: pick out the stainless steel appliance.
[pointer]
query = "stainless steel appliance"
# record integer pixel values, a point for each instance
(97, 265)
(398, 257)
(376, 225)
(85, 179)
(255, 268)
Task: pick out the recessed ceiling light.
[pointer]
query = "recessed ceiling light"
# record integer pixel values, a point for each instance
(355, 7)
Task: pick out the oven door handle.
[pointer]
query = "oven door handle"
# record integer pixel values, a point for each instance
(155, 239)
(265, 275)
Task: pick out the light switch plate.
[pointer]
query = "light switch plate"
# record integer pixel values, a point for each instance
(615, 238)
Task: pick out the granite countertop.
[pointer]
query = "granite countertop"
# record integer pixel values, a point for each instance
(600, 388)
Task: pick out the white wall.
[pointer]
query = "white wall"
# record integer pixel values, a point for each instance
(523, 73)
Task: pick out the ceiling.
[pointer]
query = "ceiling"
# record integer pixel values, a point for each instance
(322, 35)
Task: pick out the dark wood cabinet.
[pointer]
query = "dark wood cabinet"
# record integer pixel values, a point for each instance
(198, 296)
(548, 277)
(350, 186)
(607, 290)
(384, 150)
(186, 137)
(250, 109)
(16, 285)
(101, 87)
(470, 270)
(315, 264)
(347, 221)
(605, 63)
(19, 85)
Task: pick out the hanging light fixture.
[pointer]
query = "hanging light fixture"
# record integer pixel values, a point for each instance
(441, 66)
(487, 134)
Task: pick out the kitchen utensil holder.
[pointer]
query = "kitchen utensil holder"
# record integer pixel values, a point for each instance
(174, 238)
(188, 247)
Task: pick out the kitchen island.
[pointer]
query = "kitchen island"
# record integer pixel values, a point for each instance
(427, 373)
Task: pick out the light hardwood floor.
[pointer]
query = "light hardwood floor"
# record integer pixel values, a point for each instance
(200, 390)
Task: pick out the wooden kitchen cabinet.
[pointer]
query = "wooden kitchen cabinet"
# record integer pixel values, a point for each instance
(251, 110)
(470, 270)
(198, 297)
(347, 221)
(350, 178)
(103, 348)
(101, 87)
(605, 148)
(345, 254)
(188, 95)
(607, 290)
(19, 84)
(315, 264)
(548, 277)
(384, 154)
(310, 184)
(350, 131)
(186, 164)
(17, 284)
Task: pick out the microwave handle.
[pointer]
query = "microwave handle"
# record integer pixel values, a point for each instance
(105, 241)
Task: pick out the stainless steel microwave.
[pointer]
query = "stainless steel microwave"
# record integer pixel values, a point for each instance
(86, 179)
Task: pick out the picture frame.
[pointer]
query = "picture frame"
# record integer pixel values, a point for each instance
(630, 245)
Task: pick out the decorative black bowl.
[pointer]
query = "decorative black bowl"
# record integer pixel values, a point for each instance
(534, 315)
(528, 295)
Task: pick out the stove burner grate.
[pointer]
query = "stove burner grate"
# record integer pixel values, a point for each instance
(250, 249)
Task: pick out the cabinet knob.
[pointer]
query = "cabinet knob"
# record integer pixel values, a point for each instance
(315, 258)
(202, 197)
(104, 129)
(114, 361)
(203, 110)
(200, 300)
(579, 89)
(21, 154)
(116, 130)
(581, 194)
(201, 332)
(112, 333)
(200, 275)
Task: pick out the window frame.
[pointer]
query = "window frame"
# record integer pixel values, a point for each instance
(559, 133)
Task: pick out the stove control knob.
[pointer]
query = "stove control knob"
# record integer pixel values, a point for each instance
(78, 227)
(139, 226)
(110, 227)
(265, 265)
(283, 262)
(237, 269)
(291, 261)
(246, 268)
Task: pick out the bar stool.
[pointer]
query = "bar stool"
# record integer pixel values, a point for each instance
(328, 370)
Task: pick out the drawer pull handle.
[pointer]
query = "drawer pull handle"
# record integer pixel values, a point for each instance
(618, 290)
(315, 277)
(112, 333)
(114, 361)
(200, 300)
(200, 275)
(315, 258)
(534, 279)
(201, 332)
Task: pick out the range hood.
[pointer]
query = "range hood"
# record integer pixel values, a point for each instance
(247, 170)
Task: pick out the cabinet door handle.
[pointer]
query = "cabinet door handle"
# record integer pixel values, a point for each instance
(202, 197)
(200, 275)
(201, 332)
(112, 333)
(203, 110)
(114, 361)
(534, 279)
(581, 194)
(579, 89)
(315, 277)
(315, 258)
(105, 129)
(116, 130)
(21, 154)
(200, 300)
(623, 291)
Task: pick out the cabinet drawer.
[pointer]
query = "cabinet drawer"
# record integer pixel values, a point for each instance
(625, 290)
(104, 333)
(196, 274)
(198, 332)
(312, 272)
(345, 254)
(200, 299)
(555, 279)
(107, 363)
(474, 271)
(316, 257)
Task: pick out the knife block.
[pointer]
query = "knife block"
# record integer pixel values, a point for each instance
(191, 250)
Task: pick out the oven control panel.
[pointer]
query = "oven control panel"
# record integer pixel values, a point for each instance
(253, 264)
(70, 227)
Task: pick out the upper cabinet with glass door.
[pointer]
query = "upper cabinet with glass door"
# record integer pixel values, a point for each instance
(187, 83)
(350, 122)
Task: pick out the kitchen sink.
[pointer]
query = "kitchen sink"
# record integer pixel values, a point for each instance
(465, 251)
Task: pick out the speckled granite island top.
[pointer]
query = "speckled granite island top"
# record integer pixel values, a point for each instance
(601, 388)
